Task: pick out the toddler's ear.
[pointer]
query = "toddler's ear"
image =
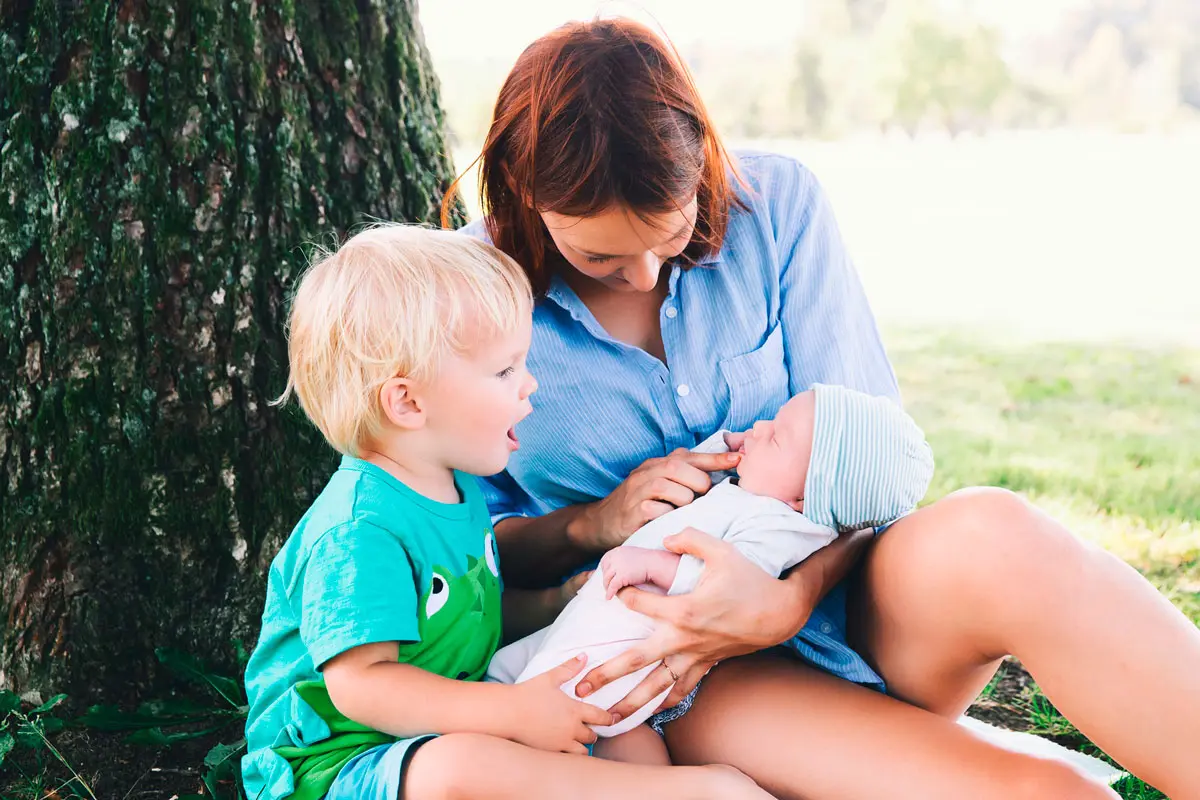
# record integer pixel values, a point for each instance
(401, 404)
(797, 505)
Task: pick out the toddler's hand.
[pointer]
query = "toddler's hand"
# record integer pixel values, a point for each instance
(550, 719)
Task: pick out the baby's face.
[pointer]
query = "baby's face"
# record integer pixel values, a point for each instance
(775, 453)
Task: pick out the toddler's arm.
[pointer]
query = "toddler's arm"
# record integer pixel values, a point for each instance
(367, 685)
(634, 566)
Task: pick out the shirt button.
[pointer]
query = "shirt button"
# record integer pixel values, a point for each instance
(683, 390)
(826, 628)
(672, 312)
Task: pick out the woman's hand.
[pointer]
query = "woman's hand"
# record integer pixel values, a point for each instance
(735, 609)
(659, 485)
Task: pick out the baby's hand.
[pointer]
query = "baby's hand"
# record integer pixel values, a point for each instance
(633, 566)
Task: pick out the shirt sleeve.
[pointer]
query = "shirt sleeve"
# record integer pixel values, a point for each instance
(830, 333)
(505, 498)
(357, 588)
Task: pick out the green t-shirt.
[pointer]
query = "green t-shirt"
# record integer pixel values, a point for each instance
(371, 561)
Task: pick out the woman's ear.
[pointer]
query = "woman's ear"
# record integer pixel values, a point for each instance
(402, 404)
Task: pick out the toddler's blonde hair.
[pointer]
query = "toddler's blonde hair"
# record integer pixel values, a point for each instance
(392, 301)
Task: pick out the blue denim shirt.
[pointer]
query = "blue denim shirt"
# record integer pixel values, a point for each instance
(779, 308)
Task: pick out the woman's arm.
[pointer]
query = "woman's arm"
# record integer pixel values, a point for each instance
(823, 570)
(529, 610)
(537, 552)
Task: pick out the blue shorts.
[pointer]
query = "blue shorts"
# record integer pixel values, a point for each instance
(377, 774)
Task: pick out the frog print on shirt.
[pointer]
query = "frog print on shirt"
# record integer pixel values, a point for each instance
(459, 619)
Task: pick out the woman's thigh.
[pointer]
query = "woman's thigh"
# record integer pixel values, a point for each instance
(803, 734)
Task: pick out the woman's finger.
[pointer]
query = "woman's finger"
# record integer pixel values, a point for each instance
(696, 542)
(712, 462)
(657, 682)
(686, 474)
(646, 652)
(688, 679)
(653, 509)
(666, 608)
(665, 489)
(575, 583)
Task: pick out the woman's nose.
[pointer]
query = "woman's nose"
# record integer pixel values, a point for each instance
(644, 275)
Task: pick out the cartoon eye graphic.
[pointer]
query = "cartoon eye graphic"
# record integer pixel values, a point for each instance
(439, 594)
(489, 554)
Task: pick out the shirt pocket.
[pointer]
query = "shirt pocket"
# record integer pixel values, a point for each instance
(757, 382)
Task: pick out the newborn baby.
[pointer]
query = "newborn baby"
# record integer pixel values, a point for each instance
(832, 460)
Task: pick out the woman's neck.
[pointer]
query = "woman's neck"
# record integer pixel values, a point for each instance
(629, 317)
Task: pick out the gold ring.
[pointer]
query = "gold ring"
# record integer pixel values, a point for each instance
(674, 677)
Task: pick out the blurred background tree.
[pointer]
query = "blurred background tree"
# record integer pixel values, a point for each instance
(860, 66)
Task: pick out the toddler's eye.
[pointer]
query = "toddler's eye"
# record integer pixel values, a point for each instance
(506, 372)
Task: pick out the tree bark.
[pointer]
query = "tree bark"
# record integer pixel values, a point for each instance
(162, 167)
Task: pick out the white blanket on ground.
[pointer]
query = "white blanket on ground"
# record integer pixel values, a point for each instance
(1030, 744)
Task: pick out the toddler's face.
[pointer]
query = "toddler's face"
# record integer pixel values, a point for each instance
(775, 453)
(477, 400)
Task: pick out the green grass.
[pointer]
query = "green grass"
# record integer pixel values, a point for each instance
(1105, 438)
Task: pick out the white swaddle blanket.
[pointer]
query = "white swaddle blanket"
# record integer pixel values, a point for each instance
(765, 530)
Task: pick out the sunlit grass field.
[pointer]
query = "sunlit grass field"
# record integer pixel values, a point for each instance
(1105, 437)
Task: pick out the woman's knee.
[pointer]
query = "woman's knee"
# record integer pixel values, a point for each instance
(980, 537)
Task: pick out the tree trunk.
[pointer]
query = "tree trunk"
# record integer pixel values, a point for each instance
(162, 166)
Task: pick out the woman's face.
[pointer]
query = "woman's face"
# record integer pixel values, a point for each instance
(619, 249)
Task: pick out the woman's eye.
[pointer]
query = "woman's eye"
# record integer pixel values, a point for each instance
(598, 259)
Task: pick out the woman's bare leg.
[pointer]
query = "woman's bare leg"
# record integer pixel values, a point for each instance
(803, 734)
(640, 745)
(981, 574)
(477, 767)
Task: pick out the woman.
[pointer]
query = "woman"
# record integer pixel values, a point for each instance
(686, 291)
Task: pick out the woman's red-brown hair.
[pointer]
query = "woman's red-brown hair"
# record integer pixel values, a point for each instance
(596, 115)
